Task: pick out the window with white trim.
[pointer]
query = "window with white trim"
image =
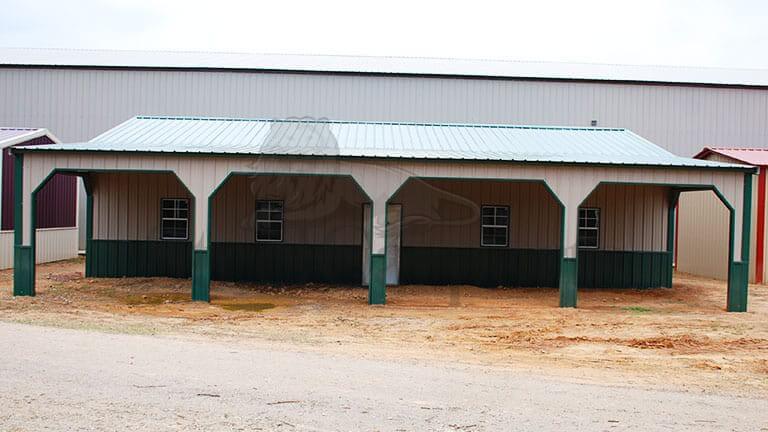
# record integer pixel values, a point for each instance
(269, 221)
(495, 225)
(589, 228)
(174, 223)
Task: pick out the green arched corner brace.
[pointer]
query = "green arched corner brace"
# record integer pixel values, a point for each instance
(738, 271)
(23, 256)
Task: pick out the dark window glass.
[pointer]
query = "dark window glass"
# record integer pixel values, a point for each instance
(589, 228)
(494, 225)
(269, 220)
(174, 223)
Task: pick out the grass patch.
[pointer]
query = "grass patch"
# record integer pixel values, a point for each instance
(637, 309)
(248, 307)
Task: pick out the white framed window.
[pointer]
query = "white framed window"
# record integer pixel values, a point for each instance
(589, 228)
(494, 225)
(174, 223)
(269, 221)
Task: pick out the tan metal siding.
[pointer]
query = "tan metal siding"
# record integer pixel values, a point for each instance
(317, 210)
(446, 213)
(78, 104)
(126, 206)
(703, 235)
(53, 244)
(632, 217)
(721, 158)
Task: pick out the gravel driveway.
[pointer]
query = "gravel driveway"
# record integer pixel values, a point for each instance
(56, 379)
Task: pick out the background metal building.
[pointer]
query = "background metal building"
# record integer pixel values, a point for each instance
(80, 93)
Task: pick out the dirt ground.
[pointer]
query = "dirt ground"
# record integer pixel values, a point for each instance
(678, 338)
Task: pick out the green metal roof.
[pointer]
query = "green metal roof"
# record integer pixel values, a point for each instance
(322, 138)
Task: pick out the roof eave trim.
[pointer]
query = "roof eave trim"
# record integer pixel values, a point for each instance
(30, 136)
(740, 168)
(394, 74)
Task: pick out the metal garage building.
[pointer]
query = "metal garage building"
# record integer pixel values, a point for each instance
(380, 203)
(56, 215)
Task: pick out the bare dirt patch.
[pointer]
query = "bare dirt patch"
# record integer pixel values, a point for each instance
(680, 337)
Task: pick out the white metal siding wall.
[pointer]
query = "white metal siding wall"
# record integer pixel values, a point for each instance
(702, 246)
(446, 213)
(633, 218)
(317, 210)
(53, 244)
(126, 206)
(78, 104)
(6, 249)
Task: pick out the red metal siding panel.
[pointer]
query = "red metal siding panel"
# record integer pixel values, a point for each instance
(6, 207)
(760, 237)
(57, 200)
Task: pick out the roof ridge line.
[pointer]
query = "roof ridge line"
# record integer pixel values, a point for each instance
(383, 123)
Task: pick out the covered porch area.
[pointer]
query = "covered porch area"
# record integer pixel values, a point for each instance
(387, 204)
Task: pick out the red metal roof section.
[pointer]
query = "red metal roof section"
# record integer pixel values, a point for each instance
(750, 156)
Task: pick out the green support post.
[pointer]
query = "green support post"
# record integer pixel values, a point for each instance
(377, 285)
(738, 274)
(201, 276)
(569, 269)
(674, 196)
(23, 256)
(89, 258)
(569, 277)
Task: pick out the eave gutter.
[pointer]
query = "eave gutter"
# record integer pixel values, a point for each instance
(737, 168)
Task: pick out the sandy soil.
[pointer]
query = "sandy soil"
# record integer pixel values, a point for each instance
(679, 338)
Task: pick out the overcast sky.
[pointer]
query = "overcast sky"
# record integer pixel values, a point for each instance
(693, 33)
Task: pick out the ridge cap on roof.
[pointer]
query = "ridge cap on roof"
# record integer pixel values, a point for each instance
(738, 148)
(384, 123)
